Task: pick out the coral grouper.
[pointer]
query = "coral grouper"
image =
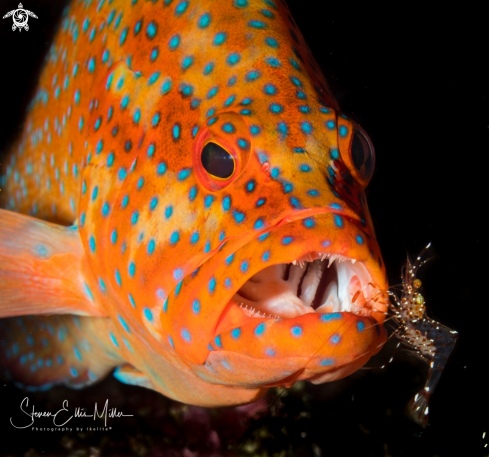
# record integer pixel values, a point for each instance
(185, 205)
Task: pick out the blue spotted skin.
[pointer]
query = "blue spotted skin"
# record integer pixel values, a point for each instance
(129, 96)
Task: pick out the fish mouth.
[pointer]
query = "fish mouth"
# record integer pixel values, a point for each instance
(315, 283)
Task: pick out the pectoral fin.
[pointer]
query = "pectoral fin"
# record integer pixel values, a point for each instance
(42, 269)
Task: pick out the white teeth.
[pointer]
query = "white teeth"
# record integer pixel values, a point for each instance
(311, 283)
(268, 294)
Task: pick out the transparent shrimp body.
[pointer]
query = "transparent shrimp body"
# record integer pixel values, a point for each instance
(429, 340)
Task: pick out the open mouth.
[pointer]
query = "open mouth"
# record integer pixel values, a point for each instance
(315, 283)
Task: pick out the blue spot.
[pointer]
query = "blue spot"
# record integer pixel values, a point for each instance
(220, 38)
(227, 283)
(227, 127)
(260, 328)
(269, 89)
(148, 314)
(326, 362)
(77, 353)
(229, 259)
(208, 201)
(174, 238)
(306, 128)
(296, 81)
(275, 108)
(105, 209)
(113, 339)
(174, 42)
(156, 119)
(118, 278)
(296, 331)
(257, 24)
(226, 203)
(204, 20)
(360, 326)
(186, 335)
(212, 285)
(151, 30)
(132, 269)
(193, 193)
(273, 62)
(272, 42)
(233, 59)
(140, 183)
(125, 102)
(123, 37)
(77, 96)
(335, 339)
(125, 201)
(230, 100)
(244, 266)
(359, 239)
(255, 130)
(270, 352)
(252, 76)
(334, 154)
(287, 240)
(73, 372)
(343, 130)
(187, 62)
(170, 340)
(217, 341)
(153, 78)
(282, 129)
(166, 86)
(176, 131)
(135, 217)
(235, 333)
(238, 216)
(161, 168)
(151, 246)
(168, 211)
(330, 125)
(137, 27)
(153, 203)
(266, 256)
(338, 221)
(181, 8)
(260, 202)
(207, 247)
(196, 306)
(329, 317)
(123, 323)
(154, 54)
(259, 224)
(92, 244)
(178, 274)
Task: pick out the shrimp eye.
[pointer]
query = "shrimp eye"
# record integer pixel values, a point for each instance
(362, 154)
(217, 161)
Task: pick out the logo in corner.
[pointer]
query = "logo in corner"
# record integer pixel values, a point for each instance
(20, 17)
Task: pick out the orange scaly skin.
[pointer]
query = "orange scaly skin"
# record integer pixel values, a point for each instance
(129, 95)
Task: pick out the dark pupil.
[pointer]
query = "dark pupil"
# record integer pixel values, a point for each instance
(217, 161)
(360, 153)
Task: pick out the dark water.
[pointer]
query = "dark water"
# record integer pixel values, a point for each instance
(417, 80)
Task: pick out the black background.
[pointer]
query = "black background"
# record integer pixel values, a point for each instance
(416, 78)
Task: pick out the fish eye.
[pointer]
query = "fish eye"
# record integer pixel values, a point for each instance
(362, 154)
(217, 161)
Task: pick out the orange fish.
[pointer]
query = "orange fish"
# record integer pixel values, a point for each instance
(186, 205)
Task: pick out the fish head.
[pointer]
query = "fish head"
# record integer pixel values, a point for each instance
(250, 256)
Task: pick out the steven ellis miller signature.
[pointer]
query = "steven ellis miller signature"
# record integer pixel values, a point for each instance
(64, 415)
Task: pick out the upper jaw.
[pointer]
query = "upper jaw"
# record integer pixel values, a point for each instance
(315, 282)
